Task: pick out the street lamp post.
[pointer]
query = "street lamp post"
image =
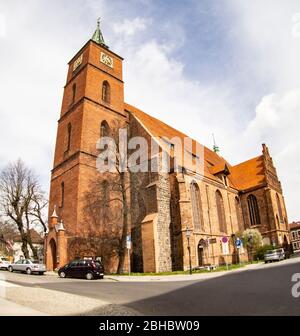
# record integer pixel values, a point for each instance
(188, 235)
(235, 248)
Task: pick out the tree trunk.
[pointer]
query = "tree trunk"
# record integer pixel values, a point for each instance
(122, 249)
(23, 238)
(33, 249)
(25, 247)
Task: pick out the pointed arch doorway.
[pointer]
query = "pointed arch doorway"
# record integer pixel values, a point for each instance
(53, 254)
(201, 246)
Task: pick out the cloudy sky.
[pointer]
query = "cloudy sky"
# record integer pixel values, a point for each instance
(226, 67)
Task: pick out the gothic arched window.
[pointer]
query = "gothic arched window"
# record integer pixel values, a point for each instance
(253, 210)
(221, 211)
(104, 129)
(69, 130)
(196, 206)
(73, 93)
(277, 222)
(238, 214)
(62, 194)
(106, 92)
(279, 208)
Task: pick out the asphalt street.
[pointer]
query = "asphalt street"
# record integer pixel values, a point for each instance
(265, 290)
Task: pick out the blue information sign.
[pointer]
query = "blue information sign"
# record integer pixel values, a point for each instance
(238, 242)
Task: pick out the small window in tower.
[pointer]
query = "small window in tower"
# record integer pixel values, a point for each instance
(62, 186)
(104, 129)
(106, 92)
(73, 93)
(69, 137)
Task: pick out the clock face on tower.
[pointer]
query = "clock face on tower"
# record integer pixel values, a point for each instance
(77, 62)
(107, 60)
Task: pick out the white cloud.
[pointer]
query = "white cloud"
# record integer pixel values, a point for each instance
(277, 121)
(295, 31)
(2, 25)
(165, 92)
(268, 33)
(267, 50)
(130, 27)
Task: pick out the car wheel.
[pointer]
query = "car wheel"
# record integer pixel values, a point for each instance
(101, 277)
(62, 275)
(10, 269)
(28, 271)
(41, 273)
(89, 276)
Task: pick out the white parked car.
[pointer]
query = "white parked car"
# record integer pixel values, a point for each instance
(274, 255)
(28, 266)
(4, 263)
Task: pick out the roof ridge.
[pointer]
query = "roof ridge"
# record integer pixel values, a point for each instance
(252, 159)
(150, 116)
(174, 129)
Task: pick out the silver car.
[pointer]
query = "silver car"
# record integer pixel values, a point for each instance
(28, 266)
(4, 263)
(274, 255)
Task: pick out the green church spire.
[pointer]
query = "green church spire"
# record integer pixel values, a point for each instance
(98, 37)
(215, 147)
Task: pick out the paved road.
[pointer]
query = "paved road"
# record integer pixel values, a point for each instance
(265, 290)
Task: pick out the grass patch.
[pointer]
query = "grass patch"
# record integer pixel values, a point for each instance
(218, 269)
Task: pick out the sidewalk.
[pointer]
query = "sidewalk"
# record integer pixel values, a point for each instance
(8, 308)
(179, 277)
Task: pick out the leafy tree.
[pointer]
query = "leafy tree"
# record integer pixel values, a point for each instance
(252, 240)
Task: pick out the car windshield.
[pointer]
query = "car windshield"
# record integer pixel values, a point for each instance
(270, 252)
(4, 259)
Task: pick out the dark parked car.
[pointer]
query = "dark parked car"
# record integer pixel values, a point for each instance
(89, 269)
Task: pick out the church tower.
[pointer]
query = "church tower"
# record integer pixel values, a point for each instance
(93, 98)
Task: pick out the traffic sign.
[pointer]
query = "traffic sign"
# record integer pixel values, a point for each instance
(224, 239)
(238, 243)
(128, 242)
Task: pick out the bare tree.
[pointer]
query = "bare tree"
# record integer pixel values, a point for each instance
(120, 184)
(109, 194)
(105, 224)
(22, 201)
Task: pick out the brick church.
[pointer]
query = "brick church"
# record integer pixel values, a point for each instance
(172, 217)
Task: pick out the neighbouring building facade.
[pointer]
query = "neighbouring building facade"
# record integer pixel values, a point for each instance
(37, 242)
(295, 236)
(213, 204)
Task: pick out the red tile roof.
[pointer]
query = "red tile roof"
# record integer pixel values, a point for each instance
(295, 225)
(159, 129)
(35, 237)
(242, 176)
(249, 174)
